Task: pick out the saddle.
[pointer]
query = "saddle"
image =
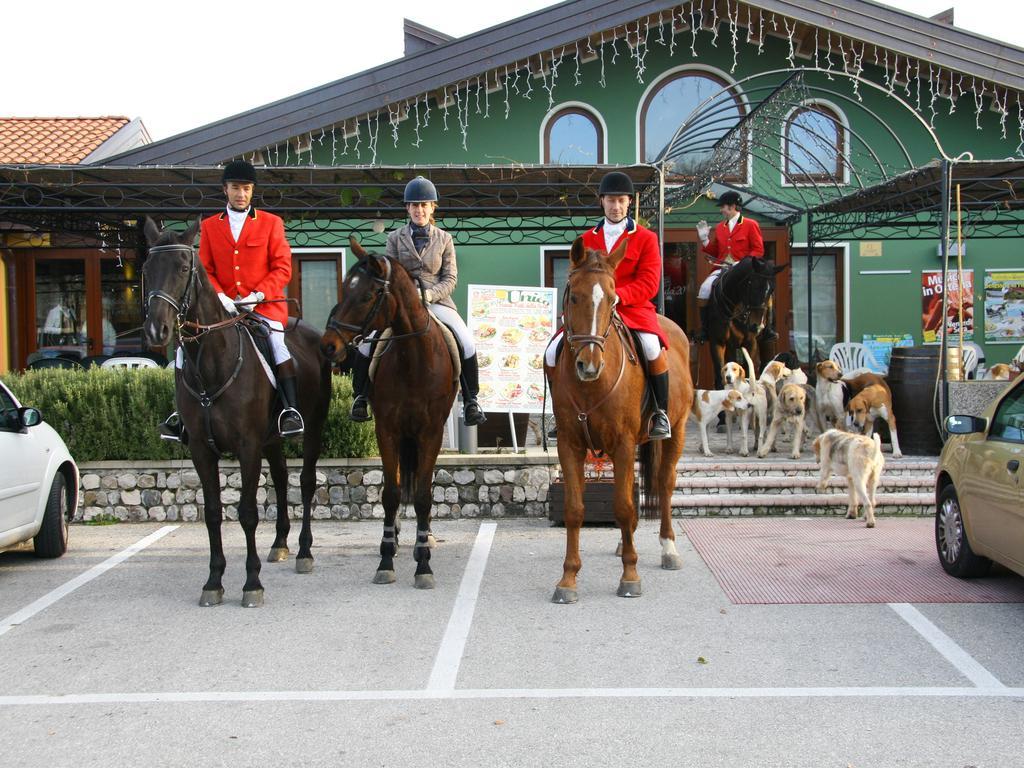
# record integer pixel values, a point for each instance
(382, 343)
(259, 335)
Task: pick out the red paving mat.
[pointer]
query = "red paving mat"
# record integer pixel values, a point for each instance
(762, 561)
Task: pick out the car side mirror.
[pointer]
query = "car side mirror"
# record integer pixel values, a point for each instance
(29, 417)
(965, 425)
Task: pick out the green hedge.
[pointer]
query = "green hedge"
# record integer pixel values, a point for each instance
(107, 414)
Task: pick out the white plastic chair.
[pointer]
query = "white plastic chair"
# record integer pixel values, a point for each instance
(972, 354)
(129, 362)
(853, 358)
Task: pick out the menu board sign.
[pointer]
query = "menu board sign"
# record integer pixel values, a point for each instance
(511, 326)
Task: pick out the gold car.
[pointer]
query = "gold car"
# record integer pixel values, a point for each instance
(979, 495)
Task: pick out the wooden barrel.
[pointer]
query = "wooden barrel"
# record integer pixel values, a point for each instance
(911, 378)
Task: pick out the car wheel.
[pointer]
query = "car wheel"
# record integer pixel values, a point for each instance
(955, 553)
(52, 539)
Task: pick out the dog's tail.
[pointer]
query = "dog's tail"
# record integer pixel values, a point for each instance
(750, 365)
(878, 441)
(772, 394)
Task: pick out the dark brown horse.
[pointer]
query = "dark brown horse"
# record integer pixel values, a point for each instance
(413, 391)
(227, 403)
(597, 388)
(738, 311)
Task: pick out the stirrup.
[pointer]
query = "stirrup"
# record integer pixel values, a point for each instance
(359, 411)
(171, 428)
(701, 336)
(290, 413)
(655, 432)
(473, 414)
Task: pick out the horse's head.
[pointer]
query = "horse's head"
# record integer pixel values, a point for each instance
(588, 304)
(366, 289)
(756, 292)
(169, 276)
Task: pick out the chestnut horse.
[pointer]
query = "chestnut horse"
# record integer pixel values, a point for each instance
(227, 403)
(738, 311)
(412, 393)
(597, 389)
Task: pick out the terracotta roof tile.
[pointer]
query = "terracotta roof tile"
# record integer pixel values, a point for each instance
(54, 139)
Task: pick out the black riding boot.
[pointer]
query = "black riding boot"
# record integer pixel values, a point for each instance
(660, 429)
(289, 423)
(172, 429)
(470, 379)
(360, 382)
(702, 333)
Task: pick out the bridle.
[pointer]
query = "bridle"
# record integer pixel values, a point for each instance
(380, 301)
(742, 319)
(577, 341)
(182, 303)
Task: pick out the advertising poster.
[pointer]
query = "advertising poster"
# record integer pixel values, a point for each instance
(881, 345)
(1004, 306)
(511, 326)
(931, 305)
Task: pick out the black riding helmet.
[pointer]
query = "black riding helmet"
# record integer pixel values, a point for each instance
(420, 190)
(616, 183)
(729, 198)
(239, 170)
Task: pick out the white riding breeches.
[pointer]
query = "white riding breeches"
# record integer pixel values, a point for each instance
(277, 346)
(705, 288)
(450, 318)
(650, 342)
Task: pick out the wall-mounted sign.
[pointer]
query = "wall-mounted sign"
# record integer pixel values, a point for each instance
(931, 305)
(1004, 306)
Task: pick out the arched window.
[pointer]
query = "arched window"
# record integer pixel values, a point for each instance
(674, 100)
(814, 146)
(573, 136)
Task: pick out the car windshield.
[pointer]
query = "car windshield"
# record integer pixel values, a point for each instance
(8, 411)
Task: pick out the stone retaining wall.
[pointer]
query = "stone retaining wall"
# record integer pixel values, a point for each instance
(464, 486)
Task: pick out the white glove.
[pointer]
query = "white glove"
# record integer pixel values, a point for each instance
(429, 296)
(703, 230)
(229, 305)
(250, 301)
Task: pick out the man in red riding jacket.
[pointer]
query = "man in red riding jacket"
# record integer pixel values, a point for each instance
(637, 279)
(736, 237)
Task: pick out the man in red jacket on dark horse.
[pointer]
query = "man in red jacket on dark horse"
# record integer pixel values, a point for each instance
(249, 263)
(736, 237)
(637, 279)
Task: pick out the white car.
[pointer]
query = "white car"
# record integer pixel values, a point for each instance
(38, 480)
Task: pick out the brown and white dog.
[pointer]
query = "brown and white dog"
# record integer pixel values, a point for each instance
(830, 400)
(757, 398)
(998, 372)
(708, 403)
(791, 408)
(860, 460)
(873, 402)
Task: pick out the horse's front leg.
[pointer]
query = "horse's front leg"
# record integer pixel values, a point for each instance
(307, 482)
(279, 476)
(208, 468)
(626, 518)
(250, 462)
(422, 501)
(390, 498)
(571, 461)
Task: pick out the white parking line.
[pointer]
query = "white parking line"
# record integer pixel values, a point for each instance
(215, 697)
(64, 590)
(945, 645)
(449, 655)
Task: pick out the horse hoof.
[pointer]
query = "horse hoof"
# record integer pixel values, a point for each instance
(671, 562)
(304, 565)
(424, 581)
(618, 550)
(384, 577)
(211, 597)
(629, 589)
(278, 555)
(565, 596)
(252, 598)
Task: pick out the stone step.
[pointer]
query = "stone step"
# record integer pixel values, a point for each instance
(790, 466)
(783, 484)
(797, 504)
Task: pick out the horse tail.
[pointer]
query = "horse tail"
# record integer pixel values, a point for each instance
(408, 458)
(650, 492)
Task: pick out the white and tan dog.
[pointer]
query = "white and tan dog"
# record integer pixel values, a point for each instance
(708, 403)
(829, 398)
(859, 459)
(873, 402)
(790, 408)
(998, 372)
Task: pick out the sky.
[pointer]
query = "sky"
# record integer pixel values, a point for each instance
(184, 64)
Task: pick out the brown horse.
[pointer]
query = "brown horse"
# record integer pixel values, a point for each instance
(413, 391)
(227, 403)
(597, 388)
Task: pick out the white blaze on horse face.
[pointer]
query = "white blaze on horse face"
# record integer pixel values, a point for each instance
(598, 297)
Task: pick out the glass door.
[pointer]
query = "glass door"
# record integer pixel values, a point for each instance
(825, 306)
(316, 283)
(60, 309)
